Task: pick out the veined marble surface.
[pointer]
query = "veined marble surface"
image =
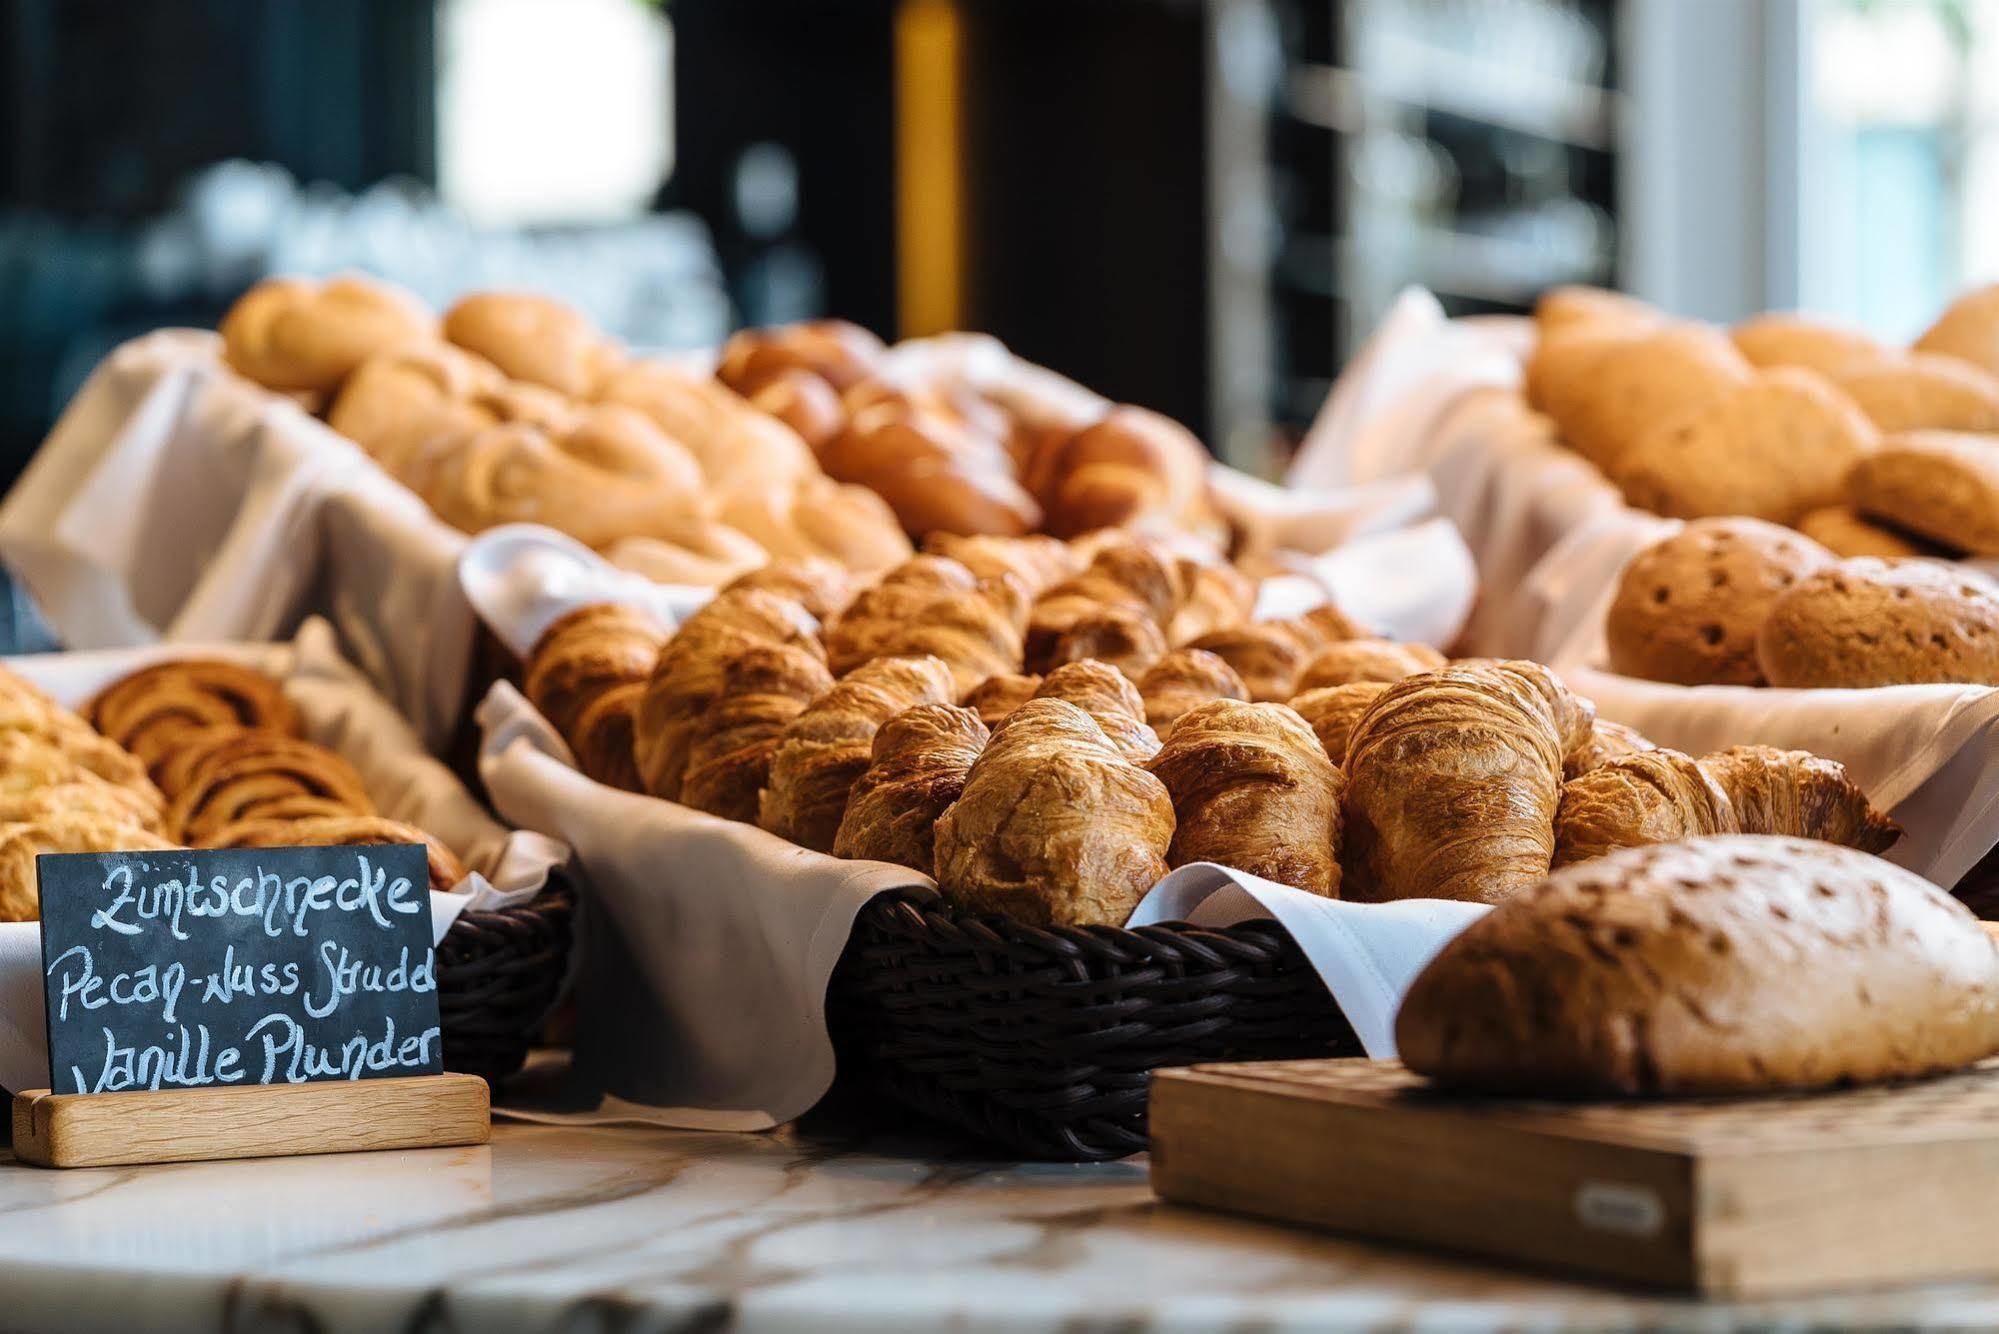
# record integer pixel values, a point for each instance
(635, 1229)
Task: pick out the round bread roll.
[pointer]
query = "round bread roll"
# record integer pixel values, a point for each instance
(298, 334)
(1735, 964)
(1794, 340)
(1868, 622)
(1687, 609)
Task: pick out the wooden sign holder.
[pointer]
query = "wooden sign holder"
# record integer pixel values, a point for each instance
(249, 1121)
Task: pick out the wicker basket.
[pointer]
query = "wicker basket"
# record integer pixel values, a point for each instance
(1041, 1040)
(498, 975)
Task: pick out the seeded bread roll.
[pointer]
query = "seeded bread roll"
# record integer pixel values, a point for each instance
(1869, 622)
(1845, 531)
(1738, 964)
(1687, 610)
(1937, 484)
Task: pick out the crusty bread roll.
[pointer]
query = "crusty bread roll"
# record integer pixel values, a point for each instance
(1607, 386)
(1968, 329)
(533, 338)
(740, 450)
(1572, 305)
(395, 401)
(820, 518)
(916, 769)
(1867, 622)
(299, 334)
(1940, 485)
(1739, 964)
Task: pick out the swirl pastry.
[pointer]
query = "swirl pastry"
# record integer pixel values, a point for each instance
(256, 773)
(155, 709)
(447, 872)
(75, 831)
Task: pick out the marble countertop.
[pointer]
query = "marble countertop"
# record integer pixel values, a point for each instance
(632, 1228)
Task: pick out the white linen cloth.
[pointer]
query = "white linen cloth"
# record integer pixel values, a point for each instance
(710, 942)
(339, 710)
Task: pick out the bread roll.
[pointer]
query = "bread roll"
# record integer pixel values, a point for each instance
(804, 402)
(1915, 391)
(741, 451)
(1132, 469)
(1607, 387)
(1968, 330)
(299, 334)
(1577, 304)
(533, 338)
(1868, 622)
(840, 353)
(1793, 340)
(395, 401)
(819, 519)
(1729, 965)
(1936, 484)
(1844, 531)
(917, 768)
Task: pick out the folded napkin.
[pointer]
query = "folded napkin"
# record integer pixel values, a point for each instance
(339, 710)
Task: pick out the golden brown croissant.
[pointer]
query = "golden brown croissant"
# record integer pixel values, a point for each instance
(1218, 597)
(997, 696)
(1269, 655)
(932, 605)
(447, 872)
(688, 675)
(1608, 741)
(151, 710)
(1794, 792)
(1114, 611)
(20, 844)
(1054, 826)
(585, 652)
(936, 475)
(917, 769)
(820, 517)
(1112, 701)
(1453, 779)
(1366, 660)
(1039, 562)
(823, 587)
(838, 352)
(257, 773)
(602, 738)
(1332, 712)
(828, 746)
(1253, 789)
(1132, 468)
(1654, 796)
(1182, 680)
(764, 687)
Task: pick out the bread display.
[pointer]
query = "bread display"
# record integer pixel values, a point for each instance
(1453, 780)
(933, 605)
(825, 749)
(1688, 609)
(1182, 681)
(299, 334)
(1253, 789)
(1332, 711)
(917, 768)
(730, 745)
(1365, 660)
(1720, 965)
(1868, 622)
(1054, 827)
(1111, 700)
(1937, 485)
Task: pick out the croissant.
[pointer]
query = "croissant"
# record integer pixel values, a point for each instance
(602, 737)
(1218, 597)
(1182, 680)
(1054, 827)
(1332, 711)
(1113, 611)
(836, 351)
(20, 844)
(1270, 655)
(1608, 741)
(821, 586)
(688, 675)
(818, 517)
(1132, 468)
(1112, 702)
(150, 711)
(917, 768)
(997, 696)
(1038, 562)
(1453, 780)
(447, 872)
(1253, 789)
(1654, 796)
(256, 773)
(1366, 660)
(705, 555)
(1797, 793)
(935, 474)
(930, 605)
(828, 746)
(585, 652)
(740, 450)
(729, 749)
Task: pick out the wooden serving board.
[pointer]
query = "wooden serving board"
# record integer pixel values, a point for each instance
(1739, 1197)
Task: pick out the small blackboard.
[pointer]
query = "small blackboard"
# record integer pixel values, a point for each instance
(237, 966)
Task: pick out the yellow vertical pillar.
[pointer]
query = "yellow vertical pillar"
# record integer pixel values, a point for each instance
(929, 175)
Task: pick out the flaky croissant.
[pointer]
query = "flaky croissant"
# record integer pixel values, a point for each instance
(729, 750)
(1183, 680)
(1114, 611)
(1218, 597)
(1131, 469)
(1653, 796)
(1054, 826)
(823, 587)
(829, 745)
(1797, 793)
(688, 675)
(1253, 789)
(1036, 560)
(933, 605)
(936, 474)
(1366, 660)
(1608, 741)
(1269, 655)
(917, 768)
(1453, 780)
(1332, 711)
(603, 736)
(1112, 701)
(585, 652)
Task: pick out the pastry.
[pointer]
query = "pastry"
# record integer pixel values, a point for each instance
(624, 442)
(995, 697)
(1607, 387)
(81, 797)
(1131, 469)
(838, 352)
(714, 556)
(1366, 660)
(823, 587)
(936, 475)
(830, 744)
(819, 518)
(1936, 484)
(1687, 610)
(1039, 562)
(1867, 622)
(1654, 796)
(447, 872)
(150, 711)
(20, 844)
(1270, 655)
(1218, 597)
(804, 402)
(1795, 340)
(1774, 448)
(687, 676)
(1915, 391)
(1716, 966)
(585, 652)
(1573, 305)
(396, 401)
(257, 773)
(1968, 330)
(604, 734)
(740, 450)
(31, 761)
(1608, 741)
(1453, 779)
(300, 334)
(1184, 680)
(1054, 827)
(933, 605)
(532, 338)
(916, 769)
(1793, 792)
(1845, 531)
(1114, 611)
(729, 751)
(1111, 700)
(1332, 711)
(1253, 789)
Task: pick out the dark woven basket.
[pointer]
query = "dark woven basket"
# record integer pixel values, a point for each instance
(498, 974)
(1041, 1040)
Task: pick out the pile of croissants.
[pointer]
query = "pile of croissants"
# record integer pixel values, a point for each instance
(807, 442)
(193, 753)
(1047, 728)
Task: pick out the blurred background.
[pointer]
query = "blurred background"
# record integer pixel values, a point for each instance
(1198, 205)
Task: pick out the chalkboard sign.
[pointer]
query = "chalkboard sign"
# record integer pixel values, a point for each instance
(237, 966)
